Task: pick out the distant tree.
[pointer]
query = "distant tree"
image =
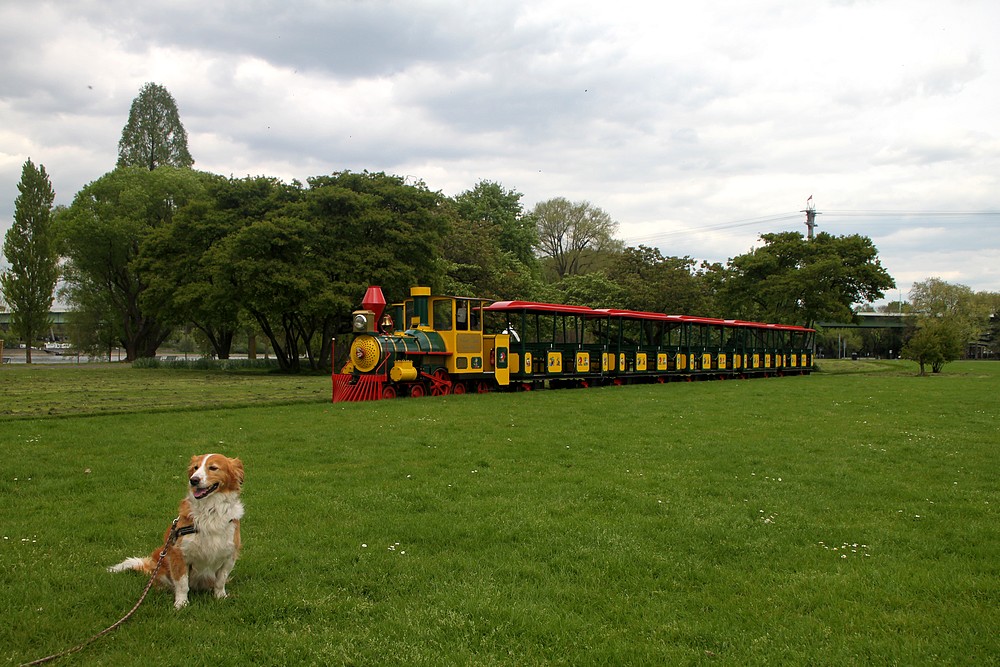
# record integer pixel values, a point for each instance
(592, 289)
(154, 136)
(936, 341)
(948, 318)
(574, 235)
(101, 235)
(652, 282)
(490, 244)
(794, 280)
(30, 248)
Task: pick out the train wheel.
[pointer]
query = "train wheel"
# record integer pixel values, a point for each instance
(482, 388)
(388, 392)
(458, 389)
(440, 383)
(418, 390)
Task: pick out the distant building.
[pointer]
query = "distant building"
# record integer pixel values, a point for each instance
(57, 329)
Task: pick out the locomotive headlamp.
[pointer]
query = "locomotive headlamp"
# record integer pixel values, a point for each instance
(360, 322)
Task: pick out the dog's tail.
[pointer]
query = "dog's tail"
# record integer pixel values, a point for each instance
(144, 565)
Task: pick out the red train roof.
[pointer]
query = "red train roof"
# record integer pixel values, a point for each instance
(538, 307)
(585, 311)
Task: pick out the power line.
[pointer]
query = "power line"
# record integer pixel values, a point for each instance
(874, 214)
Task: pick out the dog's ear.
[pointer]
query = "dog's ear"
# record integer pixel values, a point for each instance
(237, 470)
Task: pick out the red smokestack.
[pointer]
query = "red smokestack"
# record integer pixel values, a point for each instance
(374, 301)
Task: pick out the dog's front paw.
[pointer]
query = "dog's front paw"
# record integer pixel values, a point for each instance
(180, 603)
(221, 593)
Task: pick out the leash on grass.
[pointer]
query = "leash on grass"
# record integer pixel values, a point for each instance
(171, 538)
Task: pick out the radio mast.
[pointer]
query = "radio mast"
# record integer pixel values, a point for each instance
(810, 211)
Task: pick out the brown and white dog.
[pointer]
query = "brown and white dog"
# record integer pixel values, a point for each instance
(208, 531)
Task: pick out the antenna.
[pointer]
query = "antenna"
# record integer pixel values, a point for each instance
(810, 211)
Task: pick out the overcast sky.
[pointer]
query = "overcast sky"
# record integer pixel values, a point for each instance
(696, 125)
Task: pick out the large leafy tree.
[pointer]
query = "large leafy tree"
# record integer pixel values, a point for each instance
(301, 268)
(794, 280)
(30, 248)
(574, 236)
(187, 276)
(651, 282)
(154, 136)
(101, 235)
(490, 244)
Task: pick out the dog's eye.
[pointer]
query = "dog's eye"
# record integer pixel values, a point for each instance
(213, 468)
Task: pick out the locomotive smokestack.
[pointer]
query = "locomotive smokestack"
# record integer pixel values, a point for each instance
(374, 301)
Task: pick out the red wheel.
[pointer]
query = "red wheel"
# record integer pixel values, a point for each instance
(458, 389)
(418, 390)
(388, 392)
(482, 388)
(440, 383)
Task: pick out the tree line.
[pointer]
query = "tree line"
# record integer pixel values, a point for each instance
(155, 244)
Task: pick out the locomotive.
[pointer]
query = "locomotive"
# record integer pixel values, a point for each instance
(442, 345)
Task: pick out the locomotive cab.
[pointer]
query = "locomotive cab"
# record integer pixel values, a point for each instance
(427, 344)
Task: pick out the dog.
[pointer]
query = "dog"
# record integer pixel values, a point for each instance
(204, 543)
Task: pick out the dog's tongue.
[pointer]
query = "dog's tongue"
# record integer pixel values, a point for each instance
(200, 493)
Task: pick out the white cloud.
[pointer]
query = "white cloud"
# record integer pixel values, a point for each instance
(672, 118)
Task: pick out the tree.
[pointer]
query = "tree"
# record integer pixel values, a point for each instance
(490, 244)
(572, 236)
(154, 136)
(794, 280)
(301, 268)
(29, 246)
(936, 341)
(651, 282)
(948, 318)
(101, 235)
(186, 282)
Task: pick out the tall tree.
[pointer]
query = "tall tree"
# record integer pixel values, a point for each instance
(182, 259)
(794, 280)
(30, 248)
(154, 136)
(573, 235)
(491, 244)
(102, 233)
(301, 267)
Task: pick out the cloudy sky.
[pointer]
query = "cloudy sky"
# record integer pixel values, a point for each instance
(697, 125)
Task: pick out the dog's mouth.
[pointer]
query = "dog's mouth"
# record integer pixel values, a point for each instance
(200, 493)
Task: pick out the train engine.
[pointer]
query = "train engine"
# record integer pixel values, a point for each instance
(425, 345)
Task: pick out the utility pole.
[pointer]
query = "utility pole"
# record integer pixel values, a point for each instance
(810, 211)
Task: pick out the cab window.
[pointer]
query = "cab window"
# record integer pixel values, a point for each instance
(442, 314)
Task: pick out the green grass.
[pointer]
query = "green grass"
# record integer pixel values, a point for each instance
(56, 391)
(848, 517)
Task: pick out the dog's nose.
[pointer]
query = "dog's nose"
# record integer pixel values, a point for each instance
(195, 481)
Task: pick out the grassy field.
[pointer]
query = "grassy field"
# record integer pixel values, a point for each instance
(849, 517)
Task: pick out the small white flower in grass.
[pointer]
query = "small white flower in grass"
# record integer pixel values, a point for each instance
(364, 546)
